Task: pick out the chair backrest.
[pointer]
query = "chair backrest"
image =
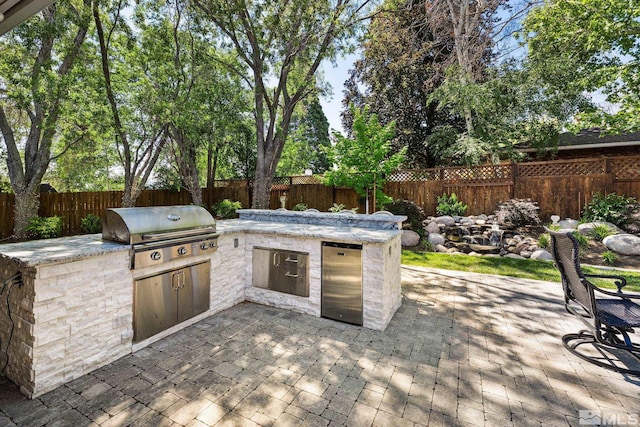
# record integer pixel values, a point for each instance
(564, 249)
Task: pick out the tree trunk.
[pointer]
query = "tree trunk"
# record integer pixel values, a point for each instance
(26, 207)
(261, 189)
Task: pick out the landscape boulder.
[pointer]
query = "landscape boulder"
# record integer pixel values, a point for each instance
(432, 227)
(568, 223)
(436, 239)
(586, 228)
(409, 238)
(625, 244)
(445, 220)
(542, 254)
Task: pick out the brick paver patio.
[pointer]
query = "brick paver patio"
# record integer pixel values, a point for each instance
(464, 349)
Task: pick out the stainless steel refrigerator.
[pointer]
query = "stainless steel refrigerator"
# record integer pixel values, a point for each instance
(342, 282)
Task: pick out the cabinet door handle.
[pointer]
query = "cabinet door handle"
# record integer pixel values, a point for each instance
(291, 260)
(295, 276)
(276, 259)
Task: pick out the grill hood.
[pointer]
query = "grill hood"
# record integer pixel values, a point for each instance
(151, 224)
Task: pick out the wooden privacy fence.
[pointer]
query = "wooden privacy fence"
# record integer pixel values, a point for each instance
(560, 187)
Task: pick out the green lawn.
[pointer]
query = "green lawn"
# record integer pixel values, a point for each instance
(525, 268)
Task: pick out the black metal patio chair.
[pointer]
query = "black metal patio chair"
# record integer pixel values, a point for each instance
(608, 315)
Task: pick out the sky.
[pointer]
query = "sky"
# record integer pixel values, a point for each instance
(336, 76)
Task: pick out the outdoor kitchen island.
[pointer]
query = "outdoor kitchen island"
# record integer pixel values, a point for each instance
(71, 299)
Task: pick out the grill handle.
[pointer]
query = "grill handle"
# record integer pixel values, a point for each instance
(175, 234)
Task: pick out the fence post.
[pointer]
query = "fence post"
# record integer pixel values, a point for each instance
(514, 177)
(608, 176)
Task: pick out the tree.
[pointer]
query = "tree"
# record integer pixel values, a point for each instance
(48, 46)
(364, 161)
(591, 45)
(401, 65)
(139, 125)
(470, 24)
(281, 43)
(308, 139)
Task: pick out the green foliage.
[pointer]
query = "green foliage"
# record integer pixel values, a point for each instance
(91, 224)
(582, 240)
(610, 258)
(611, 208)
(414, 213)
(337, 208)
(553, 227)
(401, 63)
(226, 209)
(518, 212)
(600, 231)
(300, 207)
(450, 205)
(544, 241)
(524, 268)
(306, 145)
(44, 227)
(590, 45)
(365, 160)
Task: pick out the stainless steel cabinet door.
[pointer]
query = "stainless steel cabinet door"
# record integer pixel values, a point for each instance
(156, 306)
(342, 282)
(193, 293)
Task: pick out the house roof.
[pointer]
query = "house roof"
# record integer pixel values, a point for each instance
(593, 138)
(14, 12)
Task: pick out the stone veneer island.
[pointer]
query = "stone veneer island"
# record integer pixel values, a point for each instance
(71, 306)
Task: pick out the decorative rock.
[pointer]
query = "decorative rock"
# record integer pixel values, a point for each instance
(446, 220)
(526, 253)
(432, 227)
(409, 238)
(436, 239)
(481, 221)
(514, 256)
(588, 226)
(542, 254)
(442, 248)
(483, 217)
(453, 251)
(625, 244)
(568, 223)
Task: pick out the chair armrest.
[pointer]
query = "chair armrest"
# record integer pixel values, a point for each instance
(619, 281)
(618, 294)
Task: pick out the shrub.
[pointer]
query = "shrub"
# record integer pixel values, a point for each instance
(600, 231)
(226, 209)
(450, 205)
(91, 224)
(414, 213)
(611, 208)
(518, 212)
(44, 227)
(609, 258)
(581, 238)
(544, 241)
(300, 207)
(337, 208)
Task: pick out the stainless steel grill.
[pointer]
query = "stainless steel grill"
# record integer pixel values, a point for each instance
(160, 234)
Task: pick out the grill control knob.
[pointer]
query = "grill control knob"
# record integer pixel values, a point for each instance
(212, 244)
(155, 255)
(204, 246)
(182, 250)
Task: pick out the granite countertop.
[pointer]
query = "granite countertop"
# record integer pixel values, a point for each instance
(66, 249)
(63, 249)
(327, 232)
